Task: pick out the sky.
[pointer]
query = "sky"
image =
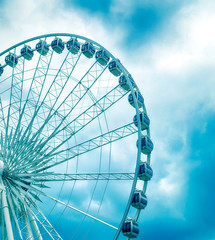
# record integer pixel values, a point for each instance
(168, 46)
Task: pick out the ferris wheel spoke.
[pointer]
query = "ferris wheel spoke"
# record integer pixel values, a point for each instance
(29, 158)
(96, 109)
(36, 86)
(78, 93)
(19, 92)
(39, 78)
(35, 90)
(116, 93)
(60, 79)
(2, 117)
(6, 141)
(14, 146)
(15, 202)
(81, 212)
(16, 92)
(26, 151)
(55, 177)
(89, 145)
(56, 200)
(40, 217)
(48, 228)
(44, 222)
(73, 98)
(19, 145)
(30, 161)
(13, 106)
(50, 111)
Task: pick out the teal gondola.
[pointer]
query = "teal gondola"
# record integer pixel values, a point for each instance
(146, 145)
(144, 120)
(57, 45)
(11, 60)
(139, 200)
(88, 50)
(114, 68)
(73, 46)
(102, 57)
(130, 229)
(139, 98)
(27, 52)
(145, 171)
(42, 47)
(123, 82)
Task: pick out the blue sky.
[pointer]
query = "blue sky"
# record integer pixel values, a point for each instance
(168, 46)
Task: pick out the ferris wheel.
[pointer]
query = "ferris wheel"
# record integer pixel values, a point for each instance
(75, 142)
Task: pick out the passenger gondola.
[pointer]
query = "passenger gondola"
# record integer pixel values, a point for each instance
(114, 68)
(146, 145)
(145, 171)
(139, 97)
(139, 200)
(73, 45)
(57, 45)
(42, 47)
(88, 50)
(123, 82)
(144, 121)
(102, 57)
(11, 60)
(27, 52)
(130, 229)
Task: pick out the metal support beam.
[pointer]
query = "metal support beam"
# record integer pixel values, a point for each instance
(29, 234)
(34, 225)
(6, 213)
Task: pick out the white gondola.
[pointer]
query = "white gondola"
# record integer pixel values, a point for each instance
(139, 200)
(123, 82)
(27, 52)
(139, 97)
(1, 70)
(57, 45)
(114, 68)
(144, 120)
(146, 145)
(42, 47)
(88, 50)
(102, 57)
(130, 229)
(145, 171)
(73, 46)
(11, 60)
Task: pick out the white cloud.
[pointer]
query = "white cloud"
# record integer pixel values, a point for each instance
(175, 73)
(22, 20)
